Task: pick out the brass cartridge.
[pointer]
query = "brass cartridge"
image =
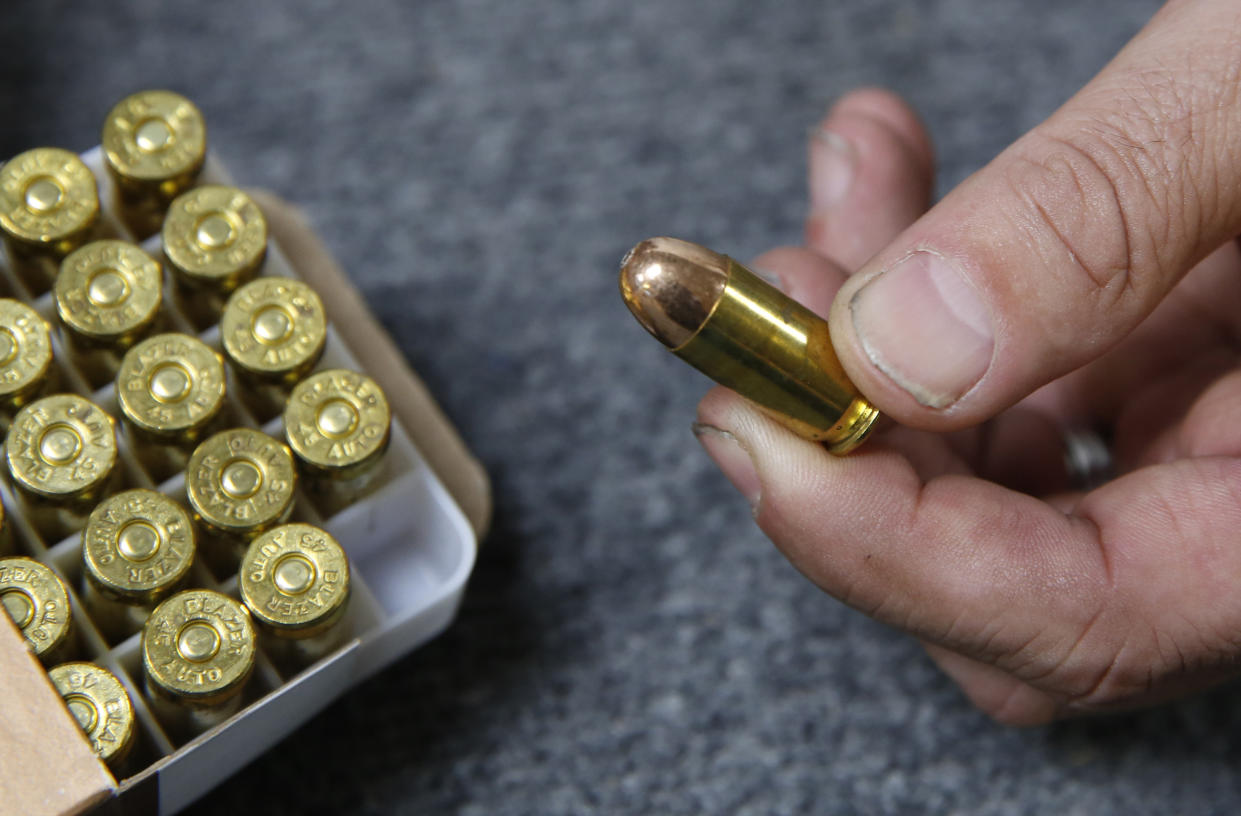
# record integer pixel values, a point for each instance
(25, 356)
(108, 294)
(6, 533)
(170, 388)
(61, 452)
(273, 331)
(239, 482)
(198, 651)
(215, 239)
(338, 423)
(745, 334)
(154, 145)
(101, 705)
(137, 549)
(49, 206)
(37, 601)
(294, 579)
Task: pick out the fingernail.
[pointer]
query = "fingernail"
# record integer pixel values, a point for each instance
(833, 164)
(724, 448)
(925, 327)
(771, 277)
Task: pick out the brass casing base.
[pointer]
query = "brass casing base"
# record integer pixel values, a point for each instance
(778, 354)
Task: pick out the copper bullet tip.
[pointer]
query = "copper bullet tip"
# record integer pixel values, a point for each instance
(672, 286)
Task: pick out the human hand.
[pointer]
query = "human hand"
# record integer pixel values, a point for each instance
(1088, 277)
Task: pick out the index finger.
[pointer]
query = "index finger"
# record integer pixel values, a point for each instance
(1134, 585)
(1050, 255)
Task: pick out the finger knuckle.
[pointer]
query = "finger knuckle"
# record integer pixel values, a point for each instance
(1077, 213)
(1110, 198)
(1152, 658)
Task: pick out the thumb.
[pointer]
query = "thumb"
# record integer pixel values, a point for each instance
(1066, 241)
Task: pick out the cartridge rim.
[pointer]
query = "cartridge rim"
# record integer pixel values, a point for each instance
(241, 481)
(37, 601)
(155, 136)
(101, 706)
(61, 446)
(171, 384)
(214, 236)
(338, 422)
(108, 290)
(198, 645)
(138, 545)
(295, 580)
(47, 195)
(25, 349)
(274, 328)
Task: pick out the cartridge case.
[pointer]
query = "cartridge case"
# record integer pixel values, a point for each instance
(137, 549)
(239, 483)
(49, 206)
(101, 705)
(215, 239)
(7, 545)
(294, 579)
(763, 344)
(273, 331)
(37, 601)
(170, 388)
(198, 652)
(26, 366)
(745, 334)
(61, 453)
(154, 145)
(108, 295)
(338, 423)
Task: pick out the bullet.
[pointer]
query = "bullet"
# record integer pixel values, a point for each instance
(25, 356)
(294, 579)
(338, 424)
(198, 652)
(170, 388)
(37, 601)
(215, 239)
(239, 482)
(101, 705)
(61, 451)
(137, 549)
(745, 334)
(108, 295)
(154, 145)
(273, 331)
(49, 206)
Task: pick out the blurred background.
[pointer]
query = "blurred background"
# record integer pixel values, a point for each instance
(630, 643)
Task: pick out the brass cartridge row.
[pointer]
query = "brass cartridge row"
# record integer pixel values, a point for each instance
(101, 706)
(38, 602)
(154, 145)
(137, 549)
(295, 582)
(108, 295)
(156, 566)
(49, 206)
(25, 357)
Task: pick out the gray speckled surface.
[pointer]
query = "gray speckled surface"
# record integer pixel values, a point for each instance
(630, 643)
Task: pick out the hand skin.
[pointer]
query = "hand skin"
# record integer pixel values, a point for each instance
(1088, 277)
